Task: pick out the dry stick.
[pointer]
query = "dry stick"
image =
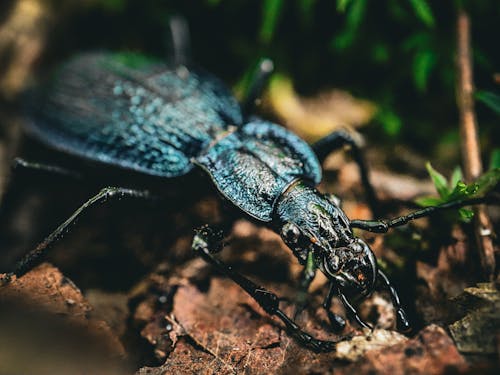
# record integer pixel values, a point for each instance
(469, 141)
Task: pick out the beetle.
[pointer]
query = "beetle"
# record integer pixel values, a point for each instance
(165, 119)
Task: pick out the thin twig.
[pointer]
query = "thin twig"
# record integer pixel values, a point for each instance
(470, 148)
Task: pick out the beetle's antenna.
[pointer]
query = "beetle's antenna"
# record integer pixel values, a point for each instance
(179, 41)
(402, 320)
(382, 226)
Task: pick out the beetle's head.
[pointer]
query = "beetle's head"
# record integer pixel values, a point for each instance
(353, 268)
(312, 224)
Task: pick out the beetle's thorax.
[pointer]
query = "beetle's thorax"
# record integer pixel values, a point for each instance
(322, 224)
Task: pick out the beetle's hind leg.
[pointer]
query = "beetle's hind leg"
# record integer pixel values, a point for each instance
(206, 242)
(35, 256)
(336, 141)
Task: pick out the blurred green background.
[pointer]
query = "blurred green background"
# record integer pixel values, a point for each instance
(399, 55)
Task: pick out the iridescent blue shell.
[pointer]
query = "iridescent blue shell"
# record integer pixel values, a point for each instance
(133, 112)
(136, 113)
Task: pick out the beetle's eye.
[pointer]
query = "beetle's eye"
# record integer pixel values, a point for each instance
(290, 233)
(332, 263)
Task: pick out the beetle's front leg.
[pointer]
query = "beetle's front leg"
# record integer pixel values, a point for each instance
(306, 277)
(336, 321)
(206, 242)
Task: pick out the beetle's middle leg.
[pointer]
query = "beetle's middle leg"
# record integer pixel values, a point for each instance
(35, 255)
(337, 140)
(206, 242)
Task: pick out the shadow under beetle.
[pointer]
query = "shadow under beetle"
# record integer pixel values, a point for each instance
(132, 112)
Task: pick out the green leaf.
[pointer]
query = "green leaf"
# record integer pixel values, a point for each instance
(353, 18)
(487, 182)
(495, 159)
(462, 191)
(423, 11)
(390, 121)
(417, 41)
(343, 40)
(490, 99)
(270, 15)
(439, 181)
(466, 214)
(423, 63)
(456, 176)
(342, 5)
(428, 201)
(355, 14)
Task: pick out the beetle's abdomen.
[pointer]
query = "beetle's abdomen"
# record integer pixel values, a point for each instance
(130, 111)
(254, 165)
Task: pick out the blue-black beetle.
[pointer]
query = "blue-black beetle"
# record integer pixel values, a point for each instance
(132, 112)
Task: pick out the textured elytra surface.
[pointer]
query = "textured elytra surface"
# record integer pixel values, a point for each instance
(254, 165)
(129, 111)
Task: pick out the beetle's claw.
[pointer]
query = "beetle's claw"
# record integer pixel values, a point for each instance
(320, 346)
(208, 238)
(403, 324)
(315, 344)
